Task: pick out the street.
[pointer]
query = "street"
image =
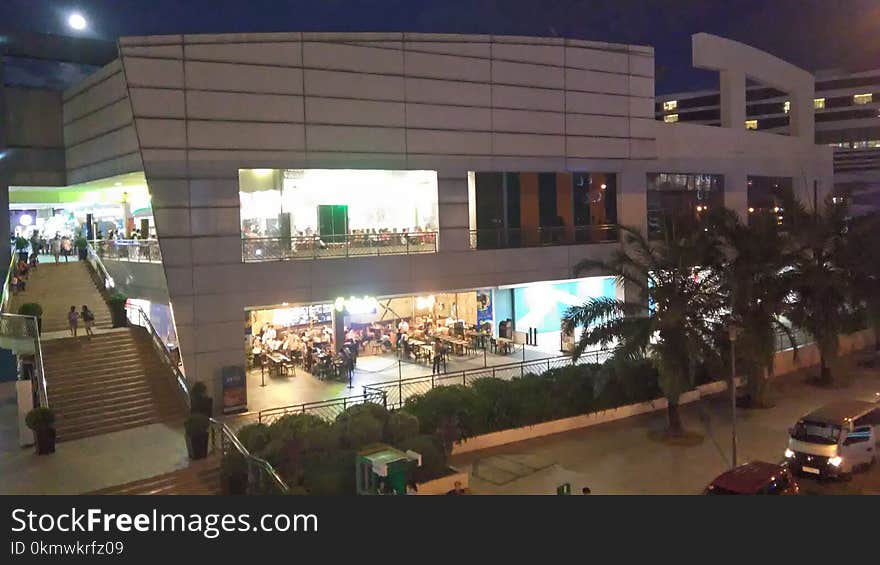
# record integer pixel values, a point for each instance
(628, 456)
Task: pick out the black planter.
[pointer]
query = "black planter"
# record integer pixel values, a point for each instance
(23, 255)
(83, 253)
(203, 405)
(44, 441)
(117, 313)
(237, 484)
(197, 445)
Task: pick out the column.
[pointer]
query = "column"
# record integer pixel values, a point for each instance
(632, 211)
(736, 193)
(733, 99)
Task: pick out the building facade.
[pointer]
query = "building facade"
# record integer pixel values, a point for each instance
(847, 117)
(276, 162)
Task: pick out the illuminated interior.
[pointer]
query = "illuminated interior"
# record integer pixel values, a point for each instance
(273, 199)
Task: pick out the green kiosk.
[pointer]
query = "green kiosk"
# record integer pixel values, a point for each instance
(382, 469)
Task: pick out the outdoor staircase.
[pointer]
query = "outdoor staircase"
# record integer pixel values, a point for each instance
(201, 477)
(57, 287)
(109, 382)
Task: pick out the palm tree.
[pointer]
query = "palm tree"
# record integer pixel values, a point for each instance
(862, 243)
(820, 282)
(678, 324)
(753, 267)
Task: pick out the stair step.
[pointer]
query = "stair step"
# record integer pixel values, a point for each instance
(201, 477)
(124, 398)
(108, 426)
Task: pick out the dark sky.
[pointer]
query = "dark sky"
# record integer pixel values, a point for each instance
(814, 34)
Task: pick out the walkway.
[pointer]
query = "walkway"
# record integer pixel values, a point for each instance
(87, 464)
(622, 458)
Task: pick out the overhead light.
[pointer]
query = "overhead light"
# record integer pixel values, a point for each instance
(117, 184)
(751, 210)
(77, 21)
(604, 186)
(262, 172)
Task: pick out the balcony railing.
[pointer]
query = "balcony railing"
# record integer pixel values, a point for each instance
(331, 246)
(504, 238)
(136, 250)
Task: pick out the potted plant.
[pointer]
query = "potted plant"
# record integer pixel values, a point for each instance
(234, 471)
(199, 401)
(21, 245)
(35, 310)
(82, 245)
(196, 428)
(41, 421)
(117, 302)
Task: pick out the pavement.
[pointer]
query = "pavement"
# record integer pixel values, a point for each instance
(629, 456)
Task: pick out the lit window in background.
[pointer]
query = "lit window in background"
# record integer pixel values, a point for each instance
(786, 106)
(863, 98)
(671, 118)
(751, 124)
(818, 103)
(670, 105)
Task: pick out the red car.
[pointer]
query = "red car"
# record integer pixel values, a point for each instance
(757, 477)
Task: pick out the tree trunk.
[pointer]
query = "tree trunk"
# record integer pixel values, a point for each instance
(825, 376)
(672, 411)
(758, 385)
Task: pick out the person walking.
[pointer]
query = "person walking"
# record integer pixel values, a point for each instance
(73, 320)
(66, 248)
(55, 246)
(438, 356)
(88, 318)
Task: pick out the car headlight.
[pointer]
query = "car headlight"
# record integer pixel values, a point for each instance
(789, 454)
(835, 461)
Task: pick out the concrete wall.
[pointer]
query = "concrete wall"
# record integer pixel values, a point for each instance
(99, 134)
(139, 280)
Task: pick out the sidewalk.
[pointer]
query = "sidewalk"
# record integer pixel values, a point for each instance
(622, 458)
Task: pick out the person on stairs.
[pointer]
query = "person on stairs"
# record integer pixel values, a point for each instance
(55, 246)
(73, 320)
(88, 318)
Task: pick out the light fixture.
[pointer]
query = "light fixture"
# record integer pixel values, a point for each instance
(751, 210)
(604, 186)
(77, 21)
(776, 209)
(117, 184)
(262, 172)
(425, 302)
(25, 220)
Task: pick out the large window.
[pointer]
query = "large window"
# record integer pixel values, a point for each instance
(863, 98)
(766, 197)
(530, 209)
(307, 213)
(681, 198)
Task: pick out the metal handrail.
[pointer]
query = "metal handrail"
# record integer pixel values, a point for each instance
(257, 249)
(509, 238)
(263, 416)
(132, 250)
(32, 330)
(7, 294)
(258, 468)
(98, 265)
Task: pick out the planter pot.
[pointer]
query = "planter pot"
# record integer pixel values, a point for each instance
(197, 445)
(117, 313)
(44, 441)
(83, 254)
(237, 484)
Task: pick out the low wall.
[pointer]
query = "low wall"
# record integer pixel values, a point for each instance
(784, 362)
(445, 484)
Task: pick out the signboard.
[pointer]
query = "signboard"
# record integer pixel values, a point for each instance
(234, 389)
(484, 307)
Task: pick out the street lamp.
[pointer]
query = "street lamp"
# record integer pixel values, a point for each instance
(733, 330)
(77, 21)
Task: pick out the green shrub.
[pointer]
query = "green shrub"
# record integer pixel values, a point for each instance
(377, 411)
(21, 243)
(497, 408)
(196, 424)
(333, 474)
(233, 464)
(254, 437)
(31, 309)
(434, 461)
(310, 431)
(358, 430)
(40, 419)
(401, 426)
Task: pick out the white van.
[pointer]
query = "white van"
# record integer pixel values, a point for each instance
(836, 439)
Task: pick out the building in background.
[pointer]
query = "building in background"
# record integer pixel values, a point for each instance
(847, 117)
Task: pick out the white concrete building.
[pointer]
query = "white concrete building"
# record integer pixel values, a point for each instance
(197, 113)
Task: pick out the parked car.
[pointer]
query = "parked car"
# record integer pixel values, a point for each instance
(835, 439)
(757, 477)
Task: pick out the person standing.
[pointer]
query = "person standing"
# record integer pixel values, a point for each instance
(55, 246)
(66, 247)
(73, 320)
(88, 318)
(438, 356)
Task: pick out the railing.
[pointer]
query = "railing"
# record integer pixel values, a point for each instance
(15, 326)
(262, 478)
(7, 291)
(326, 409)
(395, 392)
(256, 249)
(95, 261)
(801, 338)
(136, 250)
(505, 238)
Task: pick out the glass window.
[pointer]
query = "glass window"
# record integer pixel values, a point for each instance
(751, 124)
(786, 106)
(816, 432)
(863, 98)
(671, 118)
(858, 435)
(765, 197)
(681, 197)
(818, 103)
(670, 105)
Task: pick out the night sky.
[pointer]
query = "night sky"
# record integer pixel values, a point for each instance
(814, 34)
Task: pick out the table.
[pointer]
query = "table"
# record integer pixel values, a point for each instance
(505, 344)
(278, 362)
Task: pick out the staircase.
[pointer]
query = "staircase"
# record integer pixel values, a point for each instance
(57, 287)
(109, 382)
(201, 477)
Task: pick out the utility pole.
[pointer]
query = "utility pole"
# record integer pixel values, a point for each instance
(733, 329)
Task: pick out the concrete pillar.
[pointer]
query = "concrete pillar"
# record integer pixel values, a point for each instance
(733, 99)
(632, 211)
(453, 213)
(4, 178)
(736, 192)
(801, 115)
